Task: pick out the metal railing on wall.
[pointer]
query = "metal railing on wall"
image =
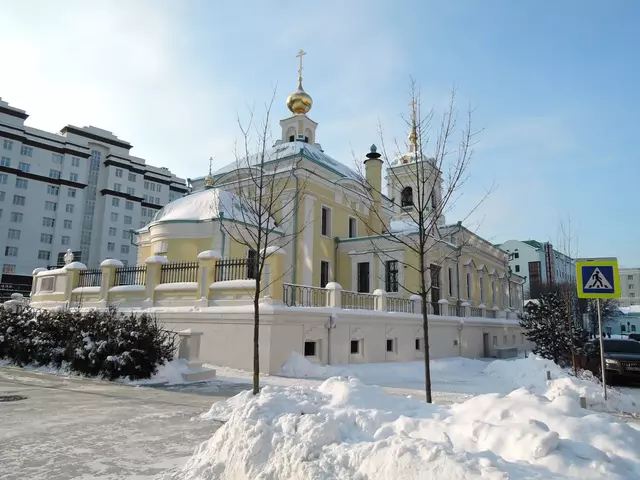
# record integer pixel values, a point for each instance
(476, 312)
(90, 278)
(402, 305)
(304, 296)
(358, 301)
(179, 272)
(131, 275)
(235, 269)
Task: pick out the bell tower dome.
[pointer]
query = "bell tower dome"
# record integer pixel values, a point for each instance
(299, 127)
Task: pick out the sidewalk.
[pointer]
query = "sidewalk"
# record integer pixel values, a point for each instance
(79, 428)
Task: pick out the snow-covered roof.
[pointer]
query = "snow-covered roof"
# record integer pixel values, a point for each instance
(209, 204)
(286, 150)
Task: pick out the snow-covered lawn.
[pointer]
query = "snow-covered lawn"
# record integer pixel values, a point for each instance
(344, 429)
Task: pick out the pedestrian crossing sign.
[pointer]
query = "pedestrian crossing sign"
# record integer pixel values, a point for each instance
(598, 278)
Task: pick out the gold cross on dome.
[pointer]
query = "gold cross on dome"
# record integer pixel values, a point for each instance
(299, 55)
(210, 163)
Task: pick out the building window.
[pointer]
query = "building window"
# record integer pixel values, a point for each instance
(22, 183)
(44, 255)
(7, 145)
(252, 263)
(14, 234)
(355, 347)
(24, 167)
(324, 273)
(391, 276)
(495, 341)
(128, 205)
(19, 200)
(418, 344)
(127, 220)
(73, 177)
(450, 271)
(516, 255)
(16, 217)
(10, 251)
(71, 193)
(126, 234)
(117, 187)
(115, 202)
(53, 190)
(75, 162)
(2, 194)
(124, 249)
(111, 246)
(390, 345)
(146, 185)
(481, 290)
(132, 177)
(8, 268)
(48, 222)
(406, 197)
(468, 286)
(67, 224)
(50, 206)
(434, 202)
(630, 285)
(46, 238)
(517, 268)
(57, 158)
(535, 273)
(326, 222)
(158, 187)
(5, 162)
(68, 208)
(309, 349)
(3, 178)
(26, 151)
(66, 240)
(363, 277)
(55, 174)
(114, 217)
(353, 227)
(131, 191)
(493, 292)
(119, 172)
(112, 231)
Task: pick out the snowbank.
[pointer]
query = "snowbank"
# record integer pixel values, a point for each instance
(348, 430)
(531, 373)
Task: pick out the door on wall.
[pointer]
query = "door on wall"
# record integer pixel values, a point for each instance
(435, 288)
(363, 277)
(485, 346)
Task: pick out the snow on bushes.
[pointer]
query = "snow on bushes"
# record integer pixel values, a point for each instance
(348, 430)
(94, 343)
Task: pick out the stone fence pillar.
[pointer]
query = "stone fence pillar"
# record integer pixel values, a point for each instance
(73, 270)
(273, 274)
(483, 310)
(381, 300)
(444, 307)
(108, 267)
(154, 267)
(466, 309)
(416, 304)
(334, 295)
(207, 261)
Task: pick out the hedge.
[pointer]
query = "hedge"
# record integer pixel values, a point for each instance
(96, 343)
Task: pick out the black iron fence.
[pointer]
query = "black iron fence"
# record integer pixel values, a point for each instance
(90, 278)
(304, 296)
(235, 269)
(131, 275)
(178, 272)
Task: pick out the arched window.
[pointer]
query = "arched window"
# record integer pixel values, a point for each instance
(406, 198)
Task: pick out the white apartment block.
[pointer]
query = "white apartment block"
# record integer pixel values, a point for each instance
(629, 286)
(78, 189)
(539, 262)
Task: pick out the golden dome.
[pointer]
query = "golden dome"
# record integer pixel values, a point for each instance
(299, 102)
(208, 181)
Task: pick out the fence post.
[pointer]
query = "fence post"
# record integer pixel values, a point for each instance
(334, 295)
(73, 279)
(108, 280)
(499, 313)
(381, 300)
(273, 280)
(444, 307)
(207, 261)
(189, 350)
(466, 309)
(416, 304)
(154, 267)
(483, 310)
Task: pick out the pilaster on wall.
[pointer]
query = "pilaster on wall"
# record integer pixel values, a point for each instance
(108, 280)
(306, 240)
(154, 268)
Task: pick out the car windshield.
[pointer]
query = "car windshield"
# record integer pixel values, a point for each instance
(622, 346)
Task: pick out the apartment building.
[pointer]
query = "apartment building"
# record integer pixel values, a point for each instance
(78, 189)
(629, 286)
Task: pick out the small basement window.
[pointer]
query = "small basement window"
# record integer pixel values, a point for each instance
(355, 347)
(389, 345)
(418, 344)
(309, 349)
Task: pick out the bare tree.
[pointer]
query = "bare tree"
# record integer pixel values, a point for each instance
(427, 185)
(265, 191)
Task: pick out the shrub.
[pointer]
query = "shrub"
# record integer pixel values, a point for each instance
(107, 344)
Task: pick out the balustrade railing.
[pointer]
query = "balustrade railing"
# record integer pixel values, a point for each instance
(402, 305)
(179, 272)
(304, 296)
(491, 314)
(90, 278)
(235, 269)
(458, 310)
(131, 275)
(358, 301)
(476, 312)
(434, 308)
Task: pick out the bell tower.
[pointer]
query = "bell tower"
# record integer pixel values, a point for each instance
(299, 127)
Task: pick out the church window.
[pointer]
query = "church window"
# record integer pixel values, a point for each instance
(406, 198)
(306, 139)
(468, 285)
(325, 222)
(252, 264)
(450, 282)
(324, 273)
(291, 138)
(363, 277)
(434, 204)
(352, 227)
(391, 276)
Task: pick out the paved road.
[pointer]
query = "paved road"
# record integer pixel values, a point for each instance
(78, 428)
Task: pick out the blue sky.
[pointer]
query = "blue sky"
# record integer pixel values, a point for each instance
(553, 84)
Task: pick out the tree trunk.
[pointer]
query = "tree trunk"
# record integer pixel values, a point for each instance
(256, 340)
(425, 329)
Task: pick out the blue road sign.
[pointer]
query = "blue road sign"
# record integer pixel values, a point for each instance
(598, 278)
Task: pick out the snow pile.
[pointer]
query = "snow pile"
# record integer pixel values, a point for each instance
(169, 373)
(299, 367)
(347, 430)
(531, 373)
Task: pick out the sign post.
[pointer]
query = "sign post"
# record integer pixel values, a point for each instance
(598, 278)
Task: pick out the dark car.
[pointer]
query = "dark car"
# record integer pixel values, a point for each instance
(634, 336)
(621, 358)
